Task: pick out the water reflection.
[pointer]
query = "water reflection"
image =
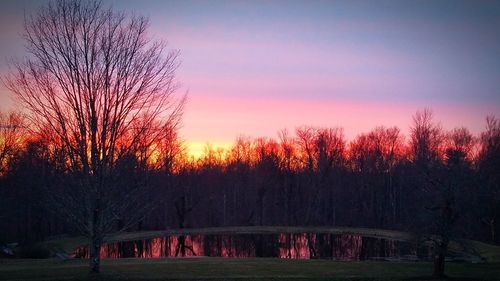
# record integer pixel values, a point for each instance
(283, 245)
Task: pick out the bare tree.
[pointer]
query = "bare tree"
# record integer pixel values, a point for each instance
(329, 148)
(374, 156)
(95, 84)
(439, 182)
(11, 137)
(11, 144)
(321, 151)
(426, 138)
(489, 166)
(289, 164)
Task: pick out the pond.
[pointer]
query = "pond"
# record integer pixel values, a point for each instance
(280, 245)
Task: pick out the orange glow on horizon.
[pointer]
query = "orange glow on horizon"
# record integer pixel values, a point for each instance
(197, 149)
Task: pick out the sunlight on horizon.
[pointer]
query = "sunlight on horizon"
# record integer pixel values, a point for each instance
(198, 150)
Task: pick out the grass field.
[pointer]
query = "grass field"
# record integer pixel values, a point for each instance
(238, 269)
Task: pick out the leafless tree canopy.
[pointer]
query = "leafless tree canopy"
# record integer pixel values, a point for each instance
(426, 137)
(91, 74)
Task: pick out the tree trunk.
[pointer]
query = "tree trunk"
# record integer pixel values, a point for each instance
(492, 230)
(439, 258)
(95, 255)
(439, 266)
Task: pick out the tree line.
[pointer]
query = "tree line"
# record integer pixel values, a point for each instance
(432, 181)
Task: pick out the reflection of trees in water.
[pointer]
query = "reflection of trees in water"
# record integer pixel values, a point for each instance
(182, 247)
(283, 245)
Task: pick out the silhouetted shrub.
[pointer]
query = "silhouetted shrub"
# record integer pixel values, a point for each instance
(33, 251)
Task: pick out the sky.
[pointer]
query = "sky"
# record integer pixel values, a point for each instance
(253, 68)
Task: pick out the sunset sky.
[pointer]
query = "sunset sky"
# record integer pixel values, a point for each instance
(255, 67)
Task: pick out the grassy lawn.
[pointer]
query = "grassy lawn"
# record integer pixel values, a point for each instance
(238, 269)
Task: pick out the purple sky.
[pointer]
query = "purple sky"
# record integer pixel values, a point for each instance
(255, 67)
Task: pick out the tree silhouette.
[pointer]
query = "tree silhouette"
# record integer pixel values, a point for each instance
(374, 157)
(11, 137)
(426, 139)
(95, 84)
(489, 172)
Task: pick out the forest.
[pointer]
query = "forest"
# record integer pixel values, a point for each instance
(430, 182)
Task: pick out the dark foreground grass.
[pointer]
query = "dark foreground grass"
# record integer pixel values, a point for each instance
(238, 269)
